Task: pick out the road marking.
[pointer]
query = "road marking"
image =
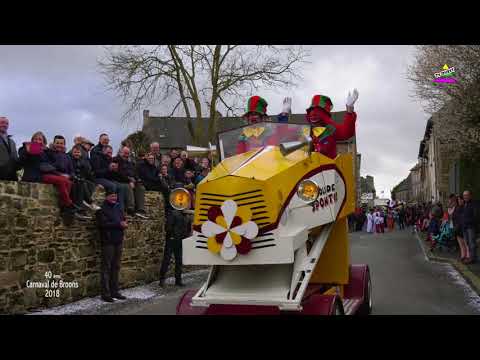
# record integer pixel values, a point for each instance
(421, 246)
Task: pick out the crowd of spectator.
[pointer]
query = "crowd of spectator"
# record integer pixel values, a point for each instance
(459, 220)
(125, 177)
(77, 172)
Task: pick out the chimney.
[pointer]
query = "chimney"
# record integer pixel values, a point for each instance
(146, 114)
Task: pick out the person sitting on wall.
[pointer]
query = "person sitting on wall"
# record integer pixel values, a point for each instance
(82, 190)
(112, 224)
(127, 175)
(59, 171)
(104, 171)
(31, 155)
(150, 175)
(103, 141)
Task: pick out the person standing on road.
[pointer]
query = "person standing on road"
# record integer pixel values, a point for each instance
(470, 223)
(390, 220)
(370, 221)
(112, 224)
(455, 211)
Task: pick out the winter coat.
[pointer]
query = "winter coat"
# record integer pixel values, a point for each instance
(470, 215)
(457, 218)
(101, 166)
(82, 169)
(126, 170)
(30, 162)
(108, 219)
(8, 159)
(178, 175)
(149, 174)
(60, 161)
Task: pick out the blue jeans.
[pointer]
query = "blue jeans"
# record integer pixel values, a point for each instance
(471, 240)
(107, 184)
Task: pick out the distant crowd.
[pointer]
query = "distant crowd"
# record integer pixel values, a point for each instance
(454, 226)
(78, 170)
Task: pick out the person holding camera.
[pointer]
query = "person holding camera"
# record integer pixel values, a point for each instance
(112, 224)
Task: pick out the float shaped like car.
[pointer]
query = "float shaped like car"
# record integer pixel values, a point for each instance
(272, 224)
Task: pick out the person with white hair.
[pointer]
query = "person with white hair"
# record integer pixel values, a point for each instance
(155, 151)
(8, 153)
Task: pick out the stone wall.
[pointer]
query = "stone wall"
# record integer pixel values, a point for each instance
(34, 239)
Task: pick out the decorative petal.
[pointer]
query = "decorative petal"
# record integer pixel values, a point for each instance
(245, 246)
(210, 229)
(228, 242)
(235, 237)
(228, 254)
(213, 212)
(222, 222)
(229, 209)
(245, 213)
(248, 230)
(237, 220)
(213, 245)
(220, 237)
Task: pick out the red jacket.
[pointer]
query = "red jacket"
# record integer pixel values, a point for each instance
(343, 131)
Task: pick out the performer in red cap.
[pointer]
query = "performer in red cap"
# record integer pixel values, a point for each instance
(326, 132)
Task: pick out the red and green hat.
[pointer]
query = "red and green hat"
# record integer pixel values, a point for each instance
(321, 101)
(257, 104)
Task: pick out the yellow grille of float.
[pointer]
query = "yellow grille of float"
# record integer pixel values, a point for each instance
(245, 192)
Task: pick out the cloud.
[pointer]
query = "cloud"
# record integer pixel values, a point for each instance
(58, 89)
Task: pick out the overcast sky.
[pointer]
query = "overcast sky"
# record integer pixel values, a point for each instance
(58, 89)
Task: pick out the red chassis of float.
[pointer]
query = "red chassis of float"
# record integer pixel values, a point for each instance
(357, 300)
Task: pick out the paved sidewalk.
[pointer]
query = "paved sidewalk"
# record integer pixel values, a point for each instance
(471, 272)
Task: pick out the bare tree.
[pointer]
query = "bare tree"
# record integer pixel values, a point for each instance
(456, 108)
(201, 80)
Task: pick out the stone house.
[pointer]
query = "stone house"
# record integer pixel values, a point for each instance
(416, 184)
(436, 162)
(402, 192)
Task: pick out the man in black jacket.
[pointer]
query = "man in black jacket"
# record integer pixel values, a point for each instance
(82, 190)
(135, 189)
(150, 175)
(112, 224)
(103, 141)
(470, 224)
(8, 153)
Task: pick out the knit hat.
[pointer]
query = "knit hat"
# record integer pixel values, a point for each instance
(321, 101)
(109, 192)
(256, 104)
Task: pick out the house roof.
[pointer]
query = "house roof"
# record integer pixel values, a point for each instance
(172, 132)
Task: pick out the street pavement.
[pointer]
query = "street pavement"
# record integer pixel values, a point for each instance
(404, 282)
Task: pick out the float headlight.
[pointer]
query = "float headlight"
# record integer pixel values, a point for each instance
(180, 199)
(308, 191)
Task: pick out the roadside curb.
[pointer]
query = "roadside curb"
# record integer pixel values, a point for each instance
(472, 279)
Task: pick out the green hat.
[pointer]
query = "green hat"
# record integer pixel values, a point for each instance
(257, 104)
(321, 101)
